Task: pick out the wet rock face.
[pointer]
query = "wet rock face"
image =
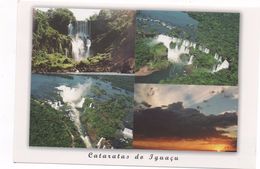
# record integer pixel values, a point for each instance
(113, 36)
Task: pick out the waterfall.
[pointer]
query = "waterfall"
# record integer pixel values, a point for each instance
(220, 59)
(80, 32)
(78, 48)
(74, 97)
(180, 48)
(216, 56)
(223, 65)
(88, 44)
(190, 60)
(66, 52)
(206, 50)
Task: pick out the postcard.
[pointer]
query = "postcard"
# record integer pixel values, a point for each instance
(147, 87)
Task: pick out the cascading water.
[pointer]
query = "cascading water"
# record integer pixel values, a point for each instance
(88, 44)
(180, 48)
(191, 60)
(223, 65)
(80, 32)
(74, 98)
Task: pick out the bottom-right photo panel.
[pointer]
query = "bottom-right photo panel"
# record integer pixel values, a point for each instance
(186, 117)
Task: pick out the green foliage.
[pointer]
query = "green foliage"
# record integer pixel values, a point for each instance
(51, 128)
(159, 52)
(204, 77)
(50, 40)
(112, 41)
(152, 55)
(159, 65)
(142, 53)
(185, 58)
(203, 60)
(220, 33)
(97, 63)
(51, 62)
(114, 33)
(97, 59)
(40, 21)
(47, 38)
(172, 45)
(60, 18)
(175, 32)
(106, 117)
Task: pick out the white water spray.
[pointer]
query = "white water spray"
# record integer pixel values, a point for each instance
(180, 48)
(80, 34)
(74, 98)
(223, 65)
(191, 60)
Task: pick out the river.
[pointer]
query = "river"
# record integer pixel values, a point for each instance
(171, 72)
(162, 22)
(68, 93)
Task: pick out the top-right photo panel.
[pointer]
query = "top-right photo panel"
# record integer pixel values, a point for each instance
(176, 47)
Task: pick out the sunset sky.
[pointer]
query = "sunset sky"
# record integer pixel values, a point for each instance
(186, 117)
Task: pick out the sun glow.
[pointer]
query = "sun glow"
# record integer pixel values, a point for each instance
(220, 147)
(210, 144)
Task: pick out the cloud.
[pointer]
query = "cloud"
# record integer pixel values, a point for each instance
(177, 121)
(211, 99)
(229, 131)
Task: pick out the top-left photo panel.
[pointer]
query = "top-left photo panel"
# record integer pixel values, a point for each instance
(68, 40)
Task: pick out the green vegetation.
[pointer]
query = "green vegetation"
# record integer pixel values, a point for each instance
(55, 62)
(175, 32)
(97, 59)
(113, 34)
(172, 45)
(105, 118)
(185, 58)
(203, 60)
(51, 128)
(47, 38)
(60, 18)
(219, 32)
(112, 39)
(51, 62)
(152, 55)
(202, 77)
(51, 45)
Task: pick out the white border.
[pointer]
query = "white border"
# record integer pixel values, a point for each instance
(248, 66)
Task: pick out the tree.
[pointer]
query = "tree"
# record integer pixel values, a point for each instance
(60, 18)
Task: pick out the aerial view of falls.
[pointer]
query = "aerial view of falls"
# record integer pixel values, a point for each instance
(92, 111)
(172, 47)
(80, 33)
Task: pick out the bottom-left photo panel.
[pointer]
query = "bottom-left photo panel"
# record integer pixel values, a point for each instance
(86, 111)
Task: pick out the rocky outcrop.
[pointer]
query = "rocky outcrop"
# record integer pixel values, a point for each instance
(115, 34)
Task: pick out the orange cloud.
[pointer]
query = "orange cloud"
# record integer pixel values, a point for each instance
(224, 144)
